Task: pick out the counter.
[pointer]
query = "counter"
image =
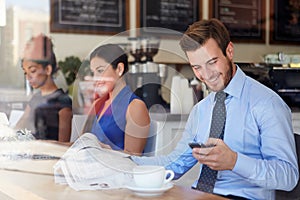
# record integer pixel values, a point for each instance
(296, 122)
(168, 129)
(168, 116)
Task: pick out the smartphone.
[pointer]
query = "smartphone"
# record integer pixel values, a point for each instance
(200, 145)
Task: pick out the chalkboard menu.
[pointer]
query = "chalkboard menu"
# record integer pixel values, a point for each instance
(285, 22)
(175, 15)
(245, 20)
(93, 17)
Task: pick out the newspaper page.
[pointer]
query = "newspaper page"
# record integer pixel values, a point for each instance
(87, 166)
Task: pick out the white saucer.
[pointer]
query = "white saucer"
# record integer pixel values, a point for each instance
(150, 192)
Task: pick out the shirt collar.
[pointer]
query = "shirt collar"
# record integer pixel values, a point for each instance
(235, 86)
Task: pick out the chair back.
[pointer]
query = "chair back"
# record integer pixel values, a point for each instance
(295, 193)
(150, 147)
(78, 122)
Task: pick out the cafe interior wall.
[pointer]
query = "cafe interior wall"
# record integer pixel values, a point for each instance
(80, 45)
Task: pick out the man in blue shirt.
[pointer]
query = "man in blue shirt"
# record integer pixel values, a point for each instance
(257, 154)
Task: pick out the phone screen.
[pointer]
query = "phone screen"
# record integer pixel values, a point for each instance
(200, 145)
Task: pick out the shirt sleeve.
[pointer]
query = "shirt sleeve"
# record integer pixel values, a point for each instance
(277, 168)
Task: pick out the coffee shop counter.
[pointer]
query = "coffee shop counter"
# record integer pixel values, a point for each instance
(168, 129)
(296, 122)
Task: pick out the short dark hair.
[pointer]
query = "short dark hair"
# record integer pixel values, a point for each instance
(199, 32)
(113, 54)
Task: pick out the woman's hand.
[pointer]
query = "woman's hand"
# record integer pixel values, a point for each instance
(105, 146)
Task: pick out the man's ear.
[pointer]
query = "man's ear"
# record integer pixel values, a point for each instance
(230, 50)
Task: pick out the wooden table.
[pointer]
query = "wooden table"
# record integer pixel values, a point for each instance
(20, 185)
(33, 180)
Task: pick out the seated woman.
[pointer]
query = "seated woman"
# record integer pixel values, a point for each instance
(118, 117)
(49, 112)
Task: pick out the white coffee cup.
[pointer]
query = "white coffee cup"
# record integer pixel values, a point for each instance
(151, 176)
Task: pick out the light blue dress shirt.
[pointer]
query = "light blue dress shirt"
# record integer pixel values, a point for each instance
(258, 127)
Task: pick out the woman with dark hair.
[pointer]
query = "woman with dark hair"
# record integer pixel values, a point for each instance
(49, 112)
(118, 117)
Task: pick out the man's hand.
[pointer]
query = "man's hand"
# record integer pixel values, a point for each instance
(218, 157)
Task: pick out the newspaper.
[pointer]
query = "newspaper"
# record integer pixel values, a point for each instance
(87, 166)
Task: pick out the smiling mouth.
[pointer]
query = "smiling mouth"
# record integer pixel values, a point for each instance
(214, 79)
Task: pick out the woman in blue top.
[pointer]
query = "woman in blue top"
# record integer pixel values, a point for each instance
(118, 117)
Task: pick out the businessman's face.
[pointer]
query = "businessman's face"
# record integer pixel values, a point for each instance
(211, 66)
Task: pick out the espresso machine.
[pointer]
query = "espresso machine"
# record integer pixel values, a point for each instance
(145, 77)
